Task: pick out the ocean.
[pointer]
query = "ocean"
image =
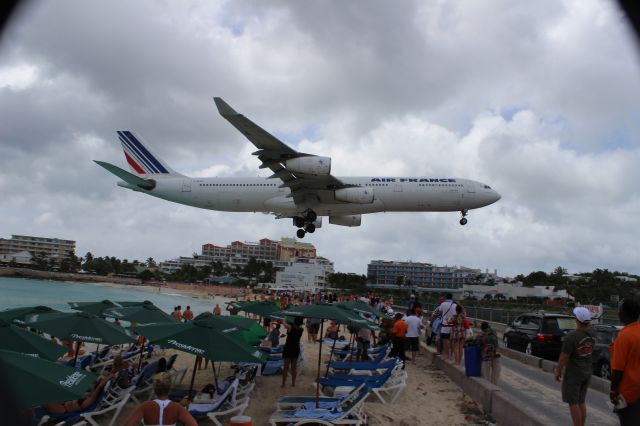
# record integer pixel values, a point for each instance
(21, 292)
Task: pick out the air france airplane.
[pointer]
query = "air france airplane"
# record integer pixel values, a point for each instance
(301, 186)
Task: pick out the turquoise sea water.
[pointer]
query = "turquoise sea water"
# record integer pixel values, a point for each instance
(20, 292)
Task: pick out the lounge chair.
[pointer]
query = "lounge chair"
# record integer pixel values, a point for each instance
(223, 405)
(386, 387)
(109, 400)
(291, 402)
(359, 365)
(349, 412)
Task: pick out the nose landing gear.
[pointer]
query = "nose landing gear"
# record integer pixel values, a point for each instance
(463, 220)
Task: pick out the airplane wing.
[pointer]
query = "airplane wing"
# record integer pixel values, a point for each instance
(274, 154)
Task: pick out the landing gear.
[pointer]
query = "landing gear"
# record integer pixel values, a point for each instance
(463, 221)
(305, 223)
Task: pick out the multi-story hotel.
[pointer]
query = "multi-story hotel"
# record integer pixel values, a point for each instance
(420, 274)
(51, 248)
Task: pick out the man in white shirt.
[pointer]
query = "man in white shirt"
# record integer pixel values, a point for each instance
(414, 327)
(446, 310)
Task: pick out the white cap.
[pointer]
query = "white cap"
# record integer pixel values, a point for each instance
(582, 314)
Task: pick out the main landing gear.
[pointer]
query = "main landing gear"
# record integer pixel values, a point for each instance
(305, 223)
(463, 221)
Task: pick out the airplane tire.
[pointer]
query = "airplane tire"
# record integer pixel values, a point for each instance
(300, 233)
(310, 228)
(298, 221)
(463, 221)
(311, 216)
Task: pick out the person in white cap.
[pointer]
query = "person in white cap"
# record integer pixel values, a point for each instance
(577, 347)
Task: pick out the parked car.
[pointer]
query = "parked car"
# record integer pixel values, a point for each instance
(601, 354)
(539, 333)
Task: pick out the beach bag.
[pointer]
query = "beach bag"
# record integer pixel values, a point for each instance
(436, 326)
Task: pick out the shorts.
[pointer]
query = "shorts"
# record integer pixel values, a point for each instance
(313, 328)
(413, 344)
(444, 336)
(574, 390)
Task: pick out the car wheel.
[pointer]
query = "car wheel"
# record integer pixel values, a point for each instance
(529, 349)
(603, 370)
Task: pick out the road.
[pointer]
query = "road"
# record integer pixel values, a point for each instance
(540, 392)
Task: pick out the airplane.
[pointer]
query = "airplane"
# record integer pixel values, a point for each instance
(301, 187)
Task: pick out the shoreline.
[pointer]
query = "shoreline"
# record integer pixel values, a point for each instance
(200, 291)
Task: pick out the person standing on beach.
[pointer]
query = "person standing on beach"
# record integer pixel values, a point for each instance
(291, 350)
(188, 314)
(577, 347)
(217, 310)
(414, 328)
(625, 364)
(446, 310)
(399, 341)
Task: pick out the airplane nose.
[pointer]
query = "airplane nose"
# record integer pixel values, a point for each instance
(496, 196)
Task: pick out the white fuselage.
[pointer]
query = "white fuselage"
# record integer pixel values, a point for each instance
(392, 194)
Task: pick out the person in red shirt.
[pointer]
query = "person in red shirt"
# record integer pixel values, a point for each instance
(625, 364)
(398, 331)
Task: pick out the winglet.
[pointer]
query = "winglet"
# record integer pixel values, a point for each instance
(223, 108)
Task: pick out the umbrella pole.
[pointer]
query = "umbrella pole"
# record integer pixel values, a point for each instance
(319, 362)
(215, 376)
(326, 373)
(75, 358)
(193, 378)
(350, 348)
(141, 350)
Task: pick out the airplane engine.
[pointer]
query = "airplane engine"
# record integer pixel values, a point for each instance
(350, 220)
(312, 165)
(355, 195)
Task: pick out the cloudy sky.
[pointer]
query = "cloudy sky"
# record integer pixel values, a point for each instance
(538, 99)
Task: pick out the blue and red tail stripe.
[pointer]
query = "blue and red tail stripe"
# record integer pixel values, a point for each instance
(140, 159)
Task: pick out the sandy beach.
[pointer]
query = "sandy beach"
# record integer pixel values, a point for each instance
(430, 397)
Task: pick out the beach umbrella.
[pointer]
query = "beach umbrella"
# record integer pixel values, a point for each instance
(143, 313)
(362, 308)
(263, 309)
(35, 381)
(20, 340)
(328, 311)
(202, 338)
(95, 308)
(80, 327)
(246, 329)
(126, 304)
(18, 314)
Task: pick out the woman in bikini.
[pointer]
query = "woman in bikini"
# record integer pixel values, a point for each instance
(161, 411)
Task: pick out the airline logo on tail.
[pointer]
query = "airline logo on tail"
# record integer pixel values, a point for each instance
(138, 156)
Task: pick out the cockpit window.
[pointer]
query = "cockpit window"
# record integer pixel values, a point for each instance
(487, 187)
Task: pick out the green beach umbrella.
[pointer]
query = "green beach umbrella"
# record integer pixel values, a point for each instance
(35, 381)
(143, 313)
(18, 339)
(80, 327)
(362, 308)
(126, 304)
(263, 309)
(201, 338)
(247, 330)
(95, 308)
(18, 314)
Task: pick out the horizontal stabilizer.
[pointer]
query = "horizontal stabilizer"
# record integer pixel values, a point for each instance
(129, 178)
(224, 108)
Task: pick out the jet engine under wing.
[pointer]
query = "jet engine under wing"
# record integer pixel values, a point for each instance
(274, 155)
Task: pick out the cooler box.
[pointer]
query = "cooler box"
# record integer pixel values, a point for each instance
(472, 361)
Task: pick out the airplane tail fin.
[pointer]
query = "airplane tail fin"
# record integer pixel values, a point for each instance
(140, 158)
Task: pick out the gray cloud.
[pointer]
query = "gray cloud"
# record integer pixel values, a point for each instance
(539, 100)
